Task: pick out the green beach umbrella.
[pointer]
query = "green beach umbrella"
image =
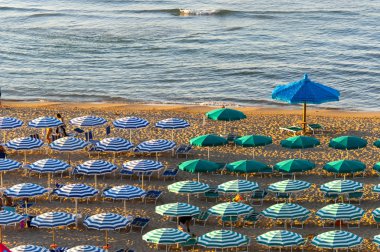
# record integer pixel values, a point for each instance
(280, 238)
(341, 186)
(208, 140)
(340, 211)
(230, 209)
(188, 187)
(238, 186)
(285, 211)
(345, 166)
(347, 143)
(200, 165)
(247, 166)
(377, 143)
(294, 165)
(289, 185)
(225, 114)
(222, 239)
(336, 239)
(253, 141)
(376, 167)
(166, 236)
(300, 142)
(177, 210)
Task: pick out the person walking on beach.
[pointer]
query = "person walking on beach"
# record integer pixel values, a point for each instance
(61, 130)
(48, 135)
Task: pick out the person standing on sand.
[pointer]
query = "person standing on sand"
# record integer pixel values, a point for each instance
(48, 135)
(61, 129)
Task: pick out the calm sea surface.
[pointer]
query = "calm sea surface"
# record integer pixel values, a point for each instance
(232, 52)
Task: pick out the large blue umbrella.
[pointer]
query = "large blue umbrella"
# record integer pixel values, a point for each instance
(130, 123)
(88, 121)
(48, 166)
(155, 146)
(45, 122)
(95, 167)
(9, 123)
(114, 144)
(24, 144)
(143, 166)
(29, 248)
(7, 218)
(124, 192)
(7, 165)
(172, 124)
(85, 248)
(307, 92)
(68, 144)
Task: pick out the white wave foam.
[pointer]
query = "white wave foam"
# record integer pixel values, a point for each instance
(191, 12)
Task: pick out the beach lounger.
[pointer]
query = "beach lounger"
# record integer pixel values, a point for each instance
(140, 222)
(35, 136)
(90, 139)
(316, 128)
(355, 196)
(281, 196)
(292, 129)
(299, 223)
(170, 173)
(77, 131)
(191, 243)
(202, 217)
(9, 209)
(145, 174)
(125, 172)
(259, 196)
(183, 150)
(251, 219)
(330, 196)
(212, 193)
(3, 155)
(232, 220)
(152, 195)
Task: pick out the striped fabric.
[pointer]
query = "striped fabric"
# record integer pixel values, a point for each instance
(124, 192)
(156, 145)
(289, 186)
(376, 188)
(68, 144)
(238, 186)
(340, 211)
(7, 123)
(376, 240)
(336, 240)
(376, 212)
(107, 221)
(341, 186)
(88, 121)
(143, 165)
(230, 209)
(285, 211)
(222, 239)
(280, 238)
(130, 123)
(48, 165)
(45, 122)
(188, 187)
(172, 123)
(24, 143)
(166, 236)
(8, 165)
(85, 248)
(78, 191)
(25, 190)
(93, 167)
(7, 218)
(177, 209)
(29, 248)
(52, 220)
(115, 144)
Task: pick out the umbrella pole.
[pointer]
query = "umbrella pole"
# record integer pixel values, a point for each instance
(96, 182)
(24, 157)
(53, 236)
(198, 176)
(26, 207)
(48, 182)
(188, 198)
(130, 135)
(1, 234)
(304, 118)
(107, 239)
(253, 153)
(125, 207)
(142, 180)
(69, 158)
(1, 178)
(208, 153)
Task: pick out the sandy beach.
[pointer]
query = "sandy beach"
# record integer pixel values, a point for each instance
(264, 121)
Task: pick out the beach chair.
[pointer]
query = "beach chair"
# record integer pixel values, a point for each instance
(232, 220)
(35, 136)
(90, 139)
(355, 196)
(152, 195)
(9, 209)
(268, 170)
(183, 149)
(282, 196)
(170, 173)
(145, 174)
(3, 155)
(330, 196)
(212, 193)
(230, 137)
(316, 128)
(126, 172)
(293, 129)
(77, 131)
(191, 243)
(139, 222)
(251, 219)
(108, 130)
(299, 223)
(377, 220)
(259, 196)
(202, 217)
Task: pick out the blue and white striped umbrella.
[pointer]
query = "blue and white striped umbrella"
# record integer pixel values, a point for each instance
(85, 248)
(166, 236)
(340, 211)
(238, 186)
(177, 209)
(376, 212)
(45, 122)
(280, 238)
(376, 188)
(107, 221)
(9, 164)
(156, 145)
(130, 122)
(24, 143)
(376, 240)
(289, 185)
(114, 144)
(223, 239)
(285, 211)
(95, 167)
(336, 240)
(48, 165)
(230, 209)
(8, 217)
(52, 220)
(88, 121)
(29, 248)
(25, 190)
(341, 186)
(143, 165)
(8, 123)
(68, 144)
(172, 123)
(124, 192)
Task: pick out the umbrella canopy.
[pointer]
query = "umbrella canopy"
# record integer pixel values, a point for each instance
(300, 142)
(247, 166)
(345, 166)
(222, 239)
(284, 211)
(29, 248)
(348, 143)
(48, 166)
(225, 114)
(289, 185)
(68, 144)
(166, 236)
(143, 165)
(190, 187)
(76, 191)
(253, 141)
(376, 239)
(25, 190)
(124, 192)
(88, 121)
(95, 167)
(376, 188)
(305, 91)
(208, 140)
(130, 122)
(376, 167)
(8, 123)
(114, 144)
(341, 186)
(280, 238)
(230, 209)
(294, 165)
(45, 122)
(9, 164)
(156, 145)
(85, 248)
(172, 123)
(7, 218)
(340, 211)
(336, 240)
(238, 186)
(24, 143)
(52, 220)
(200, 165)
(376, 212)
(106, 221)
(177, 210)
(377, 143)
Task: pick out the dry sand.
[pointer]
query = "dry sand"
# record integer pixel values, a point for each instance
(259, 121)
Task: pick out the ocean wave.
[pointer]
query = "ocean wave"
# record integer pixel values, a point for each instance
(41, 15)
(9, 8)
